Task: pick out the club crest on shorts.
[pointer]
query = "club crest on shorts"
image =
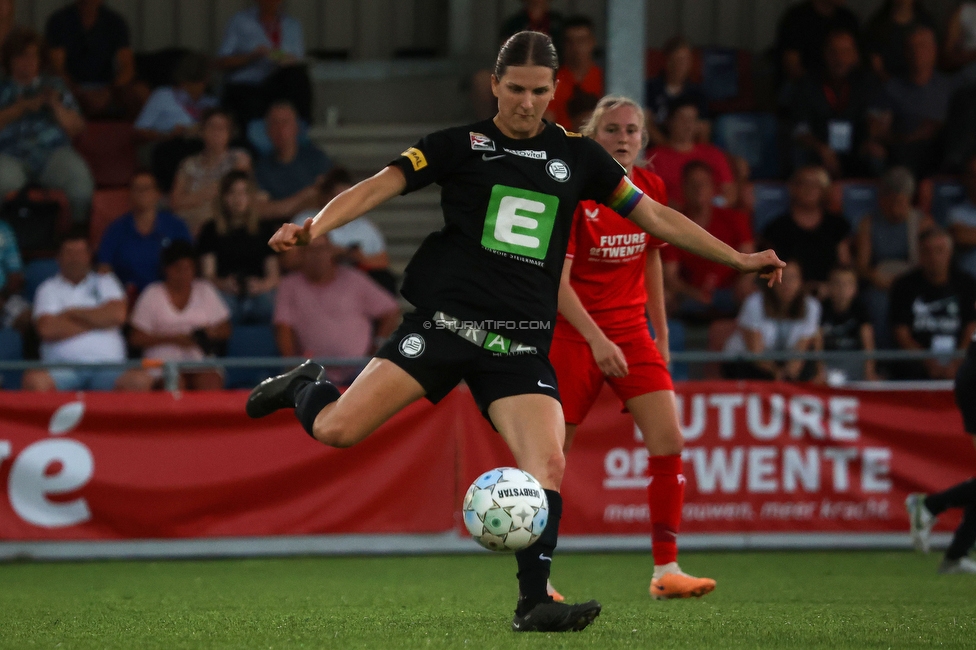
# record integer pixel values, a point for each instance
(558, 170)
(412, 346)
(481, 142)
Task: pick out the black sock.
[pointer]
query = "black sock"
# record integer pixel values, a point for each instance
(958, 496)
(964, 536)
(533, 570)
(310, 399)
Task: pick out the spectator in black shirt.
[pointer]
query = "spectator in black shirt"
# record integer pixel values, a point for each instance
(90, 48)
(235, 253)
(673, 88)
(802, 33)
(808, 233)
(932, 308)
(829, 112)
(886, 35)
(917, 107)
(845, 326)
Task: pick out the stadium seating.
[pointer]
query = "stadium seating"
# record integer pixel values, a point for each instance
(36, 272)
(945, 195)
(250, 341)
(719, 332)
(751, 136)
(857, 198)
(109, 148)
(107, 206)
(11, 349)
(770, 200)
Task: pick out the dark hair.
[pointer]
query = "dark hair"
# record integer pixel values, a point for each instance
(581, 103)
(795, 310)
(227, 115)
(74, 233)
(681, 102)
(338, 175)
(17, 42)
(835, 33)
(192, 68)
(674, 43)
(176, 250)
(527, 48)
(578, 20)
(693, 166)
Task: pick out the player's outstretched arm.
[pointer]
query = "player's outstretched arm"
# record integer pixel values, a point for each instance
(347, 206)
(677, 229)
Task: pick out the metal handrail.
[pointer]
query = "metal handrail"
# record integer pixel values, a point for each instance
(171, 369)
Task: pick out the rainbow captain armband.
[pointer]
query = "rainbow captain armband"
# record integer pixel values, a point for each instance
(625, 198)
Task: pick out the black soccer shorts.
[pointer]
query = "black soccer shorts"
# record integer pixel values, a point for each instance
(439, 359)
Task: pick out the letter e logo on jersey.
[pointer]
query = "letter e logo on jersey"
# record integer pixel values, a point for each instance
(481, 142)
(416, 158)
(558, 170)
(519, 221)
(412, 346)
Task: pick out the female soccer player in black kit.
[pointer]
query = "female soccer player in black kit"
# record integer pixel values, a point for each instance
(485, 289)
(924, 509)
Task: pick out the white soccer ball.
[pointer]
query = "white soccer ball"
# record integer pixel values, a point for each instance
(505, 509)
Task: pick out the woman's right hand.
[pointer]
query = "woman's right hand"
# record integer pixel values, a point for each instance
(609, 358)
(289, 235)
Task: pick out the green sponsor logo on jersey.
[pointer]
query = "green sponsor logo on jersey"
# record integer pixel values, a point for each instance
(519, 221)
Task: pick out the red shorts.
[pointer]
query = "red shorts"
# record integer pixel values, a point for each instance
(580, 379)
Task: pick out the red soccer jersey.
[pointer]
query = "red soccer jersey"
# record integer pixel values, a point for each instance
(609, 256)
(670, 164)
(729, 226)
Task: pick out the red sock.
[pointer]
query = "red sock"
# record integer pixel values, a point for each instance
(665, 496)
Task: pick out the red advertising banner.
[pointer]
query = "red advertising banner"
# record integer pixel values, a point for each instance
(759, 457)
(113, 466)
(763, 457)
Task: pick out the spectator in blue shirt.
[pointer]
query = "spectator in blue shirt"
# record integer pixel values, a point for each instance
(131, 245)
(14, 310)
(262, 51)
(177, 110)
(292, 171)
(38, 119)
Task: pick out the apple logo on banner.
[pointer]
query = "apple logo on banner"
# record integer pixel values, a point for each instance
(51, 467)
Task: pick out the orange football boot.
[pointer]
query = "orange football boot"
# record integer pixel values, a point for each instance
(680, 585)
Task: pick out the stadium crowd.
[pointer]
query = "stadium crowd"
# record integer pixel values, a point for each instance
(858, 167)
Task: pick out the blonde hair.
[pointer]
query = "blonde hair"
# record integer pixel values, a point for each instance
(609, 103)
(822, 176)
(222, 217)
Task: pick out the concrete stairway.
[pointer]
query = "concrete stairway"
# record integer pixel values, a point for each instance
(365, 149)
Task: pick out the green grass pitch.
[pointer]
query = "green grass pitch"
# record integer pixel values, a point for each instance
(763, 600)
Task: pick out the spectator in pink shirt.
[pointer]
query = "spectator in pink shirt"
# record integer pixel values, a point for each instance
(330, 310)
(182, 318)
(668, 159)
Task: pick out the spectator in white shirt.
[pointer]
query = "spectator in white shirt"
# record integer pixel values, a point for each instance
(79, 315)
(776, 319)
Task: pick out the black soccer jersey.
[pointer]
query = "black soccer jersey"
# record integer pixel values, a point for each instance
(508, 208)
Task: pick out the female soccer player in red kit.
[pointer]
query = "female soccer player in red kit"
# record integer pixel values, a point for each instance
(611, 275)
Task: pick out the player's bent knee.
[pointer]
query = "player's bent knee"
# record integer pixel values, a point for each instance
(335, 433)
(555, 467)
